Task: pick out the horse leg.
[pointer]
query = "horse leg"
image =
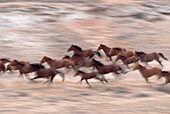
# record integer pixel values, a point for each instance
(147, 81)
(62, 75)
(35, 78)
(99, 79)
(103, 78)
(159, 62)
(51, 80)
(81, 80)
(88, 83)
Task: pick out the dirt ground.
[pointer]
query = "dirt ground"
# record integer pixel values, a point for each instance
(29, 30)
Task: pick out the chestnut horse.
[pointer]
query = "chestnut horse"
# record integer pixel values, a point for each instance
(86, 76)
(148, 72)
(127, 61)
(106, 51)
(148, 57)
(56, 64)
(84, 53)
(122, 51)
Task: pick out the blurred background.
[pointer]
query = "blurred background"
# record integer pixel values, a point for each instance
(30, 29)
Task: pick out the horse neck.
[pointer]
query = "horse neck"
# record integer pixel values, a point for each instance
(49, 60)
(106, 49)
(141, 69)
(76, 51)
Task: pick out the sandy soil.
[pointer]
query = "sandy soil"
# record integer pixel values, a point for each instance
(28, 31)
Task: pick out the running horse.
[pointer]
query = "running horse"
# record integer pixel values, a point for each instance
(105, 69)
(148, 72)
(87, 76)
(148, 57)
(56, 64)
(84, 53)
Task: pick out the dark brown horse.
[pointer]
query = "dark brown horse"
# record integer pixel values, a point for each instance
(56, 64)
(84, 53)
(127, 61)
(86, 76)
(48, 73)
(148, 72)
(148, 57)
(105, 69)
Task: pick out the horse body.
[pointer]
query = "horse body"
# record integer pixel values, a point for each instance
(127, 61)
(148, 57)
(84, 53)
(56, 64)
(104, 69)
(86, 76)
(148, 72)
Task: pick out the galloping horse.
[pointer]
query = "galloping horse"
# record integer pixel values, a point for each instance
(122, 51)
(148, 72)
(105, 69)
(24, 68)
(56, 64)
(48, 73)
(79, 61)
(84, 53)
(86, 76)
(106, 51)
(127, 61)
(148, 57)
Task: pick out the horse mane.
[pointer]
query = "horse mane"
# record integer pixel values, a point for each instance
(116, 48)
(165, 72)
(67, 56)
(2, 59)
(80, 71)
(47, 57)
(98, 62)
(123, 56)
(19, 63)
(77, 47)
(37, 66)
(139, 52)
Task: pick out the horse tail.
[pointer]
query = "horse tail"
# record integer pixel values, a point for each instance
(61, 74)
(163, 56)
(98, 54)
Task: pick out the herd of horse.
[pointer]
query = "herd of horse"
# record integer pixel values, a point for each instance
(85, 58)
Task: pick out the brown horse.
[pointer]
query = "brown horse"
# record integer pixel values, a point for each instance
(24, 68)
(148, 72)
(122, 51)
(10, 67)
(106, 51)
(86, 76)
(79, 61)
(148, 57)
(127, 61)
(105, 69)
(166, 75)
(3, 61)
(48, 73)
(84, 53)
(56, 64)
(66, 57)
